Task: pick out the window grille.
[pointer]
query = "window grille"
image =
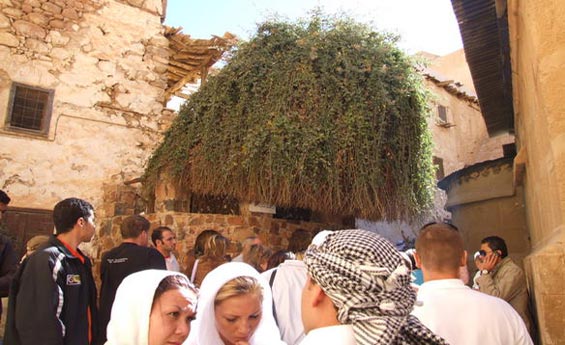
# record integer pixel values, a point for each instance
(30, 108)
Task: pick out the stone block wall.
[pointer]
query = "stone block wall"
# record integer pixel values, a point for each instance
(465, 141)
(537, 47)
(274, 233)
(483, 202)
(105, 62)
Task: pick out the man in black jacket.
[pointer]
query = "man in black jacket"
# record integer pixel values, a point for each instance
(53, 295)
(131, 256)
(8, 258)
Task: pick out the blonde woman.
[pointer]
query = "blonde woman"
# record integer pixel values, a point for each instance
(214, 255)
(234, 308)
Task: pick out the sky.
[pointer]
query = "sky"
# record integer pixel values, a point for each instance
(423, 25)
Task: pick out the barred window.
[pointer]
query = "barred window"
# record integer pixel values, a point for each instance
(30, 108)
(442, 113)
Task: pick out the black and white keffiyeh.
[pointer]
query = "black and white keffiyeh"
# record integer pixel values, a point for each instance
(368, 282)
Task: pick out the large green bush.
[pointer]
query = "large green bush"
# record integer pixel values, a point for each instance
(322, 113)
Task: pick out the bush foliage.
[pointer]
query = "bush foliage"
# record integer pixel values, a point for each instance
(323, 113)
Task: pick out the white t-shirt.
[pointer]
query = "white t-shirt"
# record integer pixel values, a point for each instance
(287, 294)
(172, 263)
(462, 315)
(342, 335)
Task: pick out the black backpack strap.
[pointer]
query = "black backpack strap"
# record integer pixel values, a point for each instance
(271, 281)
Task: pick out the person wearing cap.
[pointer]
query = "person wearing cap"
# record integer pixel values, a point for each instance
(359, 291)
(443, 296)
(33, 244)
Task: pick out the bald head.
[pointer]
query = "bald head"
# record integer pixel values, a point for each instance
(439, 248)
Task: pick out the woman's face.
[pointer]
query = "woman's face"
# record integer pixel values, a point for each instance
(237, 318)
(169, 322)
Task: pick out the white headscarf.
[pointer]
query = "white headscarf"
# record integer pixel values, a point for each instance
(203, 329)
(129, 321)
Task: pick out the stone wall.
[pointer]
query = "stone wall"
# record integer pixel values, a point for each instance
(464, 140)
(274, 233)
(106, 62)
(484, 202)
(537, 46)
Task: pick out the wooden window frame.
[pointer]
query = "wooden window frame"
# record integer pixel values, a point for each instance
(443, 119)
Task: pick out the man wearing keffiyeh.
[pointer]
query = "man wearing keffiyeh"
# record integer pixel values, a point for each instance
(358, 292)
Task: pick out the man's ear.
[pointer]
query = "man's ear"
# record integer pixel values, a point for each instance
(418, 260)
(81, 221)
(318, 295)
(463, 259)
(315, 292)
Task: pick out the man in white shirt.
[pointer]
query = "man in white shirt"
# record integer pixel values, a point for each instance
(165, 241)
(358, 291)
(287, 281)
(451, 309)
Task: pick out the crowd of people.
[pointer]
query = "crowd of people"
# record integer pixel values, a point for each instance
(339, 287)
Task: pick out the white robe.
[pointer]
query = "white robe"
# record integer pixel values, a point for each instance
(462, 315)
(342, 335)
(289, 281)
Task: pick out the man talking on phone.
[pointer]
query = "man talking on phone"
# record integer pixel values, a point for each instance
(502, 278)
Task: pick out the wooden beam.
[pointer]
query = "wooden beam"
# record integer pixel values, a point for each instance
(180, 84)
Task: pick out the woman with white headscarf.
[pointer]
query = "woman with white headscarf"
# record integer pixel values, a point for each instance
(152, 307)
(234, 308)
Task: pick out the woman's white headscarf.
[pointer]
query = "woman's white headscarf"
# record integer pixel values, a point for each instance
(203, 329)
(129, 321)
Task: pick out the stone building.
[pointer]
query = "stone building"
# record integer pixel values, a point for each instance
(516, 52)
(458, 130)
(83, 88)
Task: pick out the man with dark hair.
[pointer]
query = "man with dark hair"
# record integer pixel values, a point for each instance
(165, 241)
(287, 281)
(4, 201)
(131, 256)
(53, 295)
(501, 277)
(8, 258)
(443, 296)
(299, 242)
